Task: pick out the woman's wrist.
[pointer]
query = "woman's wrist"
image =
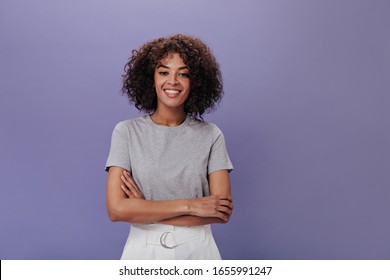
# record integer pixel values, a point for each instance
(188, 207)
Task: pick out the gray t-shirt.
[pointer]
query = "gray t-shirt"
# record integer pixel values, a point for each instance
(169, 162)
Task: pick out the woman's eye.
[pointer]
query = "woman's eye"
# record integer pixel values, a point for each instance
(185, 75)
(163, 73)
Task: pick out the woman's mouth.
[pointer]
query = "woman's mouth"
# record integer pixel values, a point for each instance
(172, 93)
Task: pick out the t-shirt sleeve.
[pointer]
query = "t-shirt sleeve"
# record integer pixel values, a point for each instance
(219, 157)
(119, 150)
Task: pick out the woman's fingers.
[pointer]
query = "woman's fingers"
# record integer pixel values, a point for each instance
(127, 191)
(125, 180)
(131, 185)
(225, 209)
(130, 178)
(226, 202)
(214, 206)
(222, 216)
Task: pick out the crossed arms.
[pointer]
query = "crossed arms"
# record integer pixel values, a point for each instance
(126, 203)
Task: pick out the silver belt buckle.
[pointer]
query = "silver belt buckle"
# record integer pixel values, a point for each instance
(163, 239)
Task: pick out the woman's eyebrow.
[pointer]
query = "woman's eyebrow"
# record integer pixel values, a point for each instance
(167, 67)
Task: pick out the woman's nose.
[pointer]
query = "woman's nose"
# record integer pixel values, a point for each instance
(172, 79)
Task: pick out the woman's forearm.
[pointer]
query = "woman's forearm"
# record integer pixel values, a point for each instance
(147, 211)
(188, 221)
(128, 204)
(135, 209)
(219, 188)
(184, 212)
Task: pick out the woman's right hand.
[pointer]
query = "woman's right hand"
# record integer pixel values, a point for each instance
(130, 187)
(212, 206)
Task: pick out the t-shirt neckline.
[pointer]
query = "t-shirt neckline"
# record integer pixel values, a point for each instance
(165, 127)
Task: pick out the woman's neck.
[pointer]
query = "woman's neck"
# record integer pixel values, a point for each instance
(168, 118)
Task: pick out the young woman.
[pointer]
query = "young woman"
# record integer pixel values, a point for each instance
(168, 171)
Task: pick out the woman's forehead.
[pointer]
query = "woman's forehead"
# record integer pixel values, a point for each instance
(172, 58)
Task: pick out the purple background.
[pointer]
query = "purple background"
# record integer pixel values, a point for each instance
(306, 117)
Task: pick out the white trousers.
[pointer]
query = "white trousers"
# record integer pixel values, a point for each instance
(164, 242)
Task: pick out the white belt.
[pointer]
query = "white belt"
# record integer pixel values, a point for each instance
(168, 236)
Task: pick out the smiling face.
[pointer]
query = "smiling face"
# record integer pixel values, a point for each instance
(172, 82)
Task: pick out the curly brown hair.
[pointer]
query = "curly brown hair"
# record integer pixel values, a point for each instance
(206, 80)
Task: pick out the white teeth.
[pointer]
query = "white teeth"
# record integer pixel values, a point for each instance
(171, 91)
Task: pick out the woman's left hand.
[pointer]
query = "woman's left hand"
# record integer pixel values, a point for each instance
(130, 187)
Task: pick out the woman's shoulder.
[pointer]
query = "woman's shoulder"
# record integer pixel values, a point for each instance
(131, 123)
(205, 126)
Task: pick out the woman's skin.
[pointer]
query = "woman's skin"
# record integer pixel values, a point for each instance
(172, 83)
(126, 203)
